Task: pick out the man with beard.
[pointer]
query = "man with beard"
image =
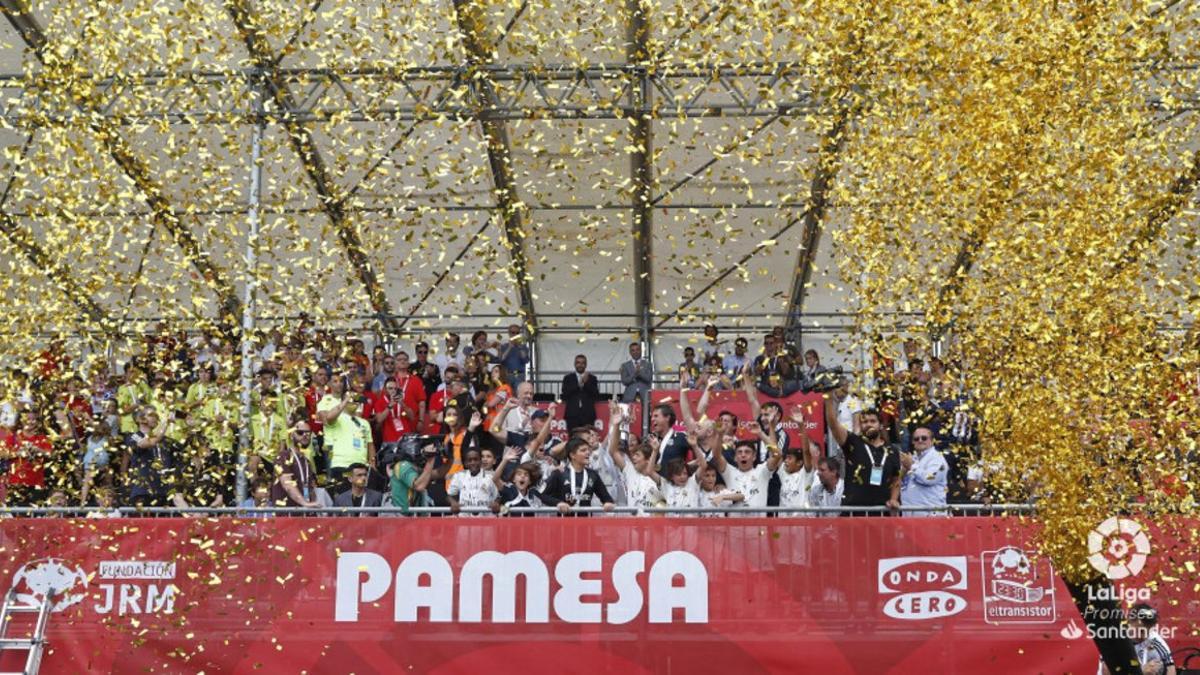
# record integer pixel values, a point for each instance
(296, 485)
(872, 476)
(580, 392)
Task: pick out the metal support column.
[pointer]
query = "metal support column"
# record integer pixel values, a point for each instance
(641, 165)
(252, 220)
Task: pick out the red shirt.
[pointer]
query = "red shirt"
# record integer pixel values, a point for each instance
(28, 470)
(398, 423)
(80, 411)
(311, 398)
(437, 403)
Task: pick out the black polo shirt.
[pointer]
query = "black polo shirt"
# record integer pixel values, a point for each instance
(860, 458)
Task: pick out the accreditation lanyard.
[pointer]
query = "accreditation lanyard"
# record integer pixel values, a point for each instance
(877, 469)
(583, 485)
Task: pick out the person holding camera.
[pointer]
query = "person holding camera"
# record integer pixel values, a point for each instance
(410, 485)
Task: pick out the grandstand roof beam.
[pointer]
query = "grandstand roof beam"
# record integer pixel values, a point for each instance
(471, 22)
(22, 240)
(828, 157)
(310, 157)
(163, 214)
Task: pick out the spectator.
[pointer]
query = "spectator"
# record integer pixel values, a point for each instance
(576, 485)
(849, 408)
(827, 490)
(359, 496)
(669, 443)
(28, 451)
(481, 347)
(872, 465)
(769, 427)
(409, 484)
(745, 477)
(516, 416)
(472, 487)
(499, 392)
(428, 371)
(450, 356)
(297, 483)
(268, 434)
(205, 479)
(106, 503)
(714, 377)
(799, 472)
(96, 457)
(347, 434)
(712, 345)
(689, 370)
(736, 362)
(636, 375)
(451, 394)
(715, 497)
(461, 435)
(923, 474)
(521, 493)
(678, 488)
(641, 488)
(412, 393)
(772, 368)
(514, 355)
(259, 497)
(152, 463)
(131, 396)
(386, 371)
(580, 393)
(812, 367)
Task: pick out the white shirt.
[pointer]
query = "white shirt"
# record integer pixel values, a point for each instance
(476, 491)
(519, 420)
(706, 497)
(750, 484)
(681, 496)
(444, 360)
(547, 464)
(642, 490)
(601, 462)
(819, 497)
(794, 487)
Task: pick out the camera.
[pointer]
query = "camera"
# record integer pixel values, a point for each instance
(823, 382)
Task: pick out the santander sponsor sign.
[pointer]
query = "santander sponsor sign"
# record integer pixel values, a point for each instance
(921, 587)
(426, 580)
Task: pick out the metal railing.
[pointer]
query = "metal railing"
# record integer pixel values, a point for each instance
(441, 511)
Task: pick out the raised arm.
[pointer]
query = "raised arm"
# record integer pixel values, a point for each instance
(511, 454)
(497, 427)
(614, 438)
(702, 404)
(751, 394)
(685, 405)
(831, 421)
(544, 434)
(774, 455)
(810, 451)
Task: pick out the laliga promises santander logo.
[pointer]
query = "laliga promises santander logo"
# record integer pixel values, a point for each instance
(1118, 548)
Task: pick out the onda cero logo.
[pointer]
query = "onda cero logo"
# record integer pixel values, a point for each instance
(920, 587)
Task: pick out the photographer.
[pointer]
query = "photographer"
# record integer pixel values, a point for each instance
(409, 484)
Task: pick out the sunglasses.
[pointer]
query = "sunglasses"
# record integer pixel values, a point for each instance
(304, 432)
(922, 438)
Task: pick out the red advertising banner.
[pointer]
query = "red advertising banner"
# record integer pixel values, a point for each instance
(365, 595)
(723, 401)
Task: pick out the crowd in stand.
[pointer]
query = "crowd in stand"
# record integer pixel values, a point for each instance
(456, 426)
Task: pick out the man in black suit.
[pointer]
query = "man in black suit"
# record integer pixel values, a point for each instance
(579, 394)
(359, 496)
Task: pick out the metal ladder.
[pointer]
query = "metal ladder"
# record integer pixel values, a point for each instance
(35, 644)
